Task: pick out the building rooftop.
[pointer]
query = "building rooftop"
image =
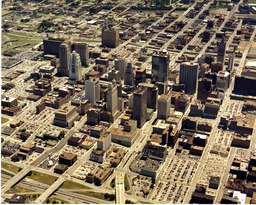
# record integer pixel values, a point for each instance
(68, 156)
(65, 109)
(119, 131)
(164, 97)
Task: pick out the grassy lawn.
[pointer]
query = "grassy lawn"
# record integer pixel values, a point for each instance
(88, 40)
(54, 200)
(126, 183)
(10, 167)
(4, 120)
(18, 189)
(113, 183)
(94, 194)
(7, 173)
(23, 38)
(252, 1)
(72, 185)
(43, 178)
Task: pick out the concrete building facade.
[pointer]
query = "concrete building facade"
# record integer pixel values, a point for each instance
(92, 90)
(75, 72)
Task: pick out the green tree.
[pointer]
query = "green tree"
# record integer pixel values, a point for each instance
(45, 24)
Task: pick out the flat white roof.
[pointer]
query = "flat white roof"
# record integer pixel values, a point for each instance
(201, 136)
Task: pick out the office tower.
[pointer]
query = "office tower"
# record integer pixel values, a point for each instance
(83, 50)
(64, 53)
(205, 87)
(222, 82)
(112, 99)
(140, 76)
(160, 66)
(92, 90)
(164, 105)
(140, 106)
(109, 37)
(120, 65)
(152, 95)
(231, 62)
(221, 51)
(188, 76)
(52, 46)
(75, 72)
(129, 75)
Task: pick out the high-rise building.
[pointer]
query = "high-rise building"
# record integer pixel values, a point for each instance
(231, 62)
(120, 64)
(188, 76)
(129, 75)
(160, 66)
(222, 82)
(221, 51)
(75, 72)
(140, 106)
(52, 46)
(109, 37)
(164, 105)
(64, 53)
(83, 50)
(92, 90)
(152, 94)
(112, 99)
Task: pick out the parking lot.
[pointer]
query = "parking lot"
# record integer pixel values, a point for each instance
(29, 158)
(9, 148)
(233, 107)
(75, 150)
(141, 185)
(209, 171)
(181, 170)
(223, 138)
(50, 162)
(82, 171)
(46, 115)
(170, 193)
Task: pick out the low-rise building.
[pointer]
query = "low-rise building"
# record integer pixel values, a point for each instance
(67, 158)
(98, 155)
(104, 141)
(65, 116)
(122, 137)
(60, 168)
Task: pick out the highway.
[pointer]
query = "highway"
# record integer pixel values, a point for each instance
(64, 176)
(120, 192)
(60, 193)
(42, 157)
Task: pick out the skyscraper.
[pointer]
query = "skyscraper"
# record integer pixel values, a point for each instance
(164, 105)
(83, 50)
(64, 53)
(140, 106)
(221, 51)
(129, 75)
(112, 99)
(160, 66)
(188, 76)
(92, 90)
(75, 72)
(109, 37)
(121, 65)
